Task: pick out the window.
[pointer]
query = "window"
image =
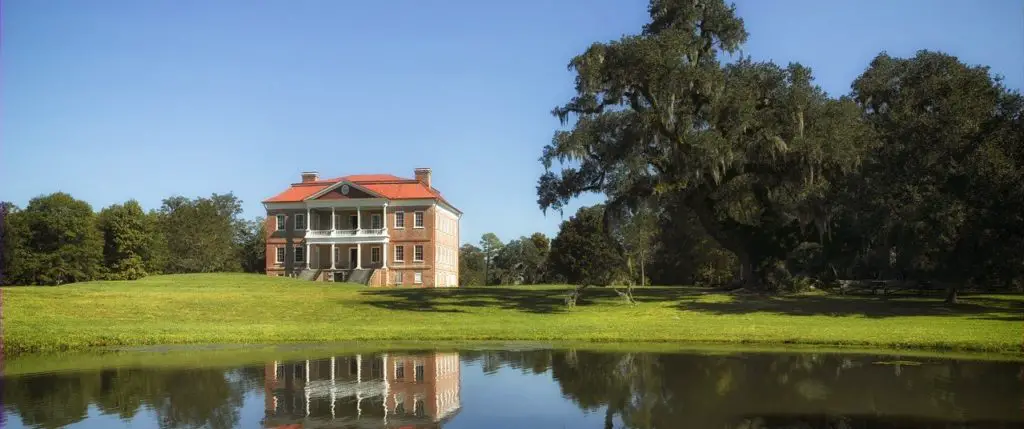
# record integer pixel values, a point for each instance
(399, 253)
(417, 220)
(280, 254)
(399, 220)
(418, 371)
(300, 254)
(280, 222)
(375, 222)
(300, 221)
(417, 253)
(417, 277)
(353, 221)
(398, 278)
(399, 369)
(375, 254)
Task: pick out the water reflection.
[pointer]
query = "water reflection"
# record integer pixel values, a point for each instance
(548, 389)
(379, 390)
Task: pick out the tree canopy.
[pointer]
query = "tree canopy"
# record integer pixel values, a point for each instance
(751, 147)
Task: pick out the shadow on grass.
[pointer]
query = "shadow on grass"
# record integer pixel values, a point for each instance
(867, 306)
(530, 300)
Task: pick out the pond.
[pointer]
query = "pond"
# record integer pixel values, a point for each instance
(536, 388)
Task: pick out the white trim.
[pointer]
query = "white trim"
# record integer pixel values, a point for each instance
(396, 219)
(395, 258)
(350, 203)
(423, 202)
(363, 202)
(348, 239)
(284, 206)
(296, 222)
(380, 221)
(279, 256)
(282, 222)
(337, 185)
(448, 210)
(423, 253)
(379, 252)
(422, 218)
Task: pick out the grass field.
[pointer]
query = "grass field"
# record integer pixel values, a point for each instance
(254, 309)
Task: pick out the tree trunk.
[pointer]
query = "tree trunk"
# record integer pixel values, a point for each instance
(952, 295)
(729, 241)
(609, 416)
(643, 276)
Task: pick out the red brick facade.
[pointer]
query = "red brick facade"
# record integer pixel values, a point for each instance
(410, 242)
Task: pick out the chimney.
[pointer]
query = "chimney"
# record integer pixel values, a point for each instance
(423, 176)
(310, 176)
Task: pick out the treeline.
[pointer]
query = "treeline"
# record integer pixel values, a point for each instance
(57, 239)
(757, 177)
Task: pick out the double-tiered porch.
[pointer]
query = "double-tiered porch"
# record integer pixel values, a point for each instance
(344, 242)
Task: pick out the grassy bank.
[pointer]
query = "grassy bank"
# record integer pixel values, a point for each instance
(252, 309)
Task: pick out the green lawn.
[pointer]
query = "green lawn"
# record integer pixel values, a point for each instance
(254, 309)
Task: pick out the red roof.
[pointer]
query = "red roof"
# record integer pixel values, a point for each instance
(387, 185)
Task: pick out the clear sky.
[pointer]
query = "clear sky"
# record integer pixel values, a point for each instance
(117, 99)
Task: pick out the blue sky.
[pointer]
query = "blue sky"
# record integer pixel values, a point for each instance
(117, 99)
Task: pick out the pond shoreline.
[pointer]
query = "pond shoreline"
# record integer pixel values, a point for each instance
(217, 355)
(253, 309)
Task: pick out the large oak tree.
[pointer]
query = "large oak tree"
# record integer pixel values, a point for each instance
(751, 147)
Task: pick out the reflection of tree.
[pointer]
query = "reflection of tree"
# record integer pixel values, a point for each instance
(179, 398)
(765, 391)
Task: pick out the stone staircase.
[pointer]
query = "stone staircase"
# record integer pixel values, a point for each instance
(310, 274)
(360, 276)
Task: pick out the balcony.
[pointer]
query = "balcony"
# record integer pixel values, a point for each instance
(347, 235)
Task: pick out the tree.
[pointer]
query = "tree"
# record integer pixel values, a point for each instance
(472, 265)
(63, 244)
(128, 237)
(14, 236)
(520, 261)
(584, 253)
(942, 192)
(751, 147)
(543, 245)
(635, 231)
(490, 245)
(253, 245)
(203, 234)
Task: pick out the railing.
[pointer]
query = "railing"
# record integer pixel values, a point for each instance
(325, 233)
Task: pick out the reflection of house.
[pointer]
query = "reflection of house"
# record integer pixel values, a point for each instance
(364, 391)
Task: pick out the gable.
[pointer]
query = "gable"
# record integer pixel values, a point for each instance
(353, 193)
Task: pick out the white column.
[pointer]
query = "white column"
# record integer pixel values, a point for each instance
(333, 388)
(359, 368)
(306, 388)
(384, 256)
(309, 258)
(334, 261)
(359, 256)
(334, 219)
(384, 218)
(309, 222)
(359, 219)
